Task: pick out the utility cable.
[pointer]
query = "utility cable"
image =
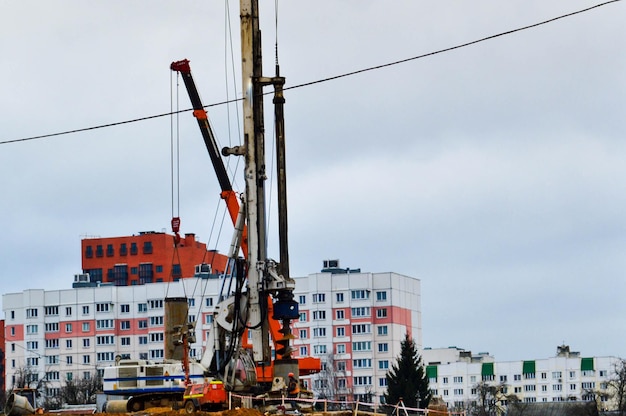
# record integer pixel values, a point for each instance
(306, 84)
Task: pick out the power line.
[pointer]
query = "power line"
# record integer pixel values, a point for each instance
(306, 84)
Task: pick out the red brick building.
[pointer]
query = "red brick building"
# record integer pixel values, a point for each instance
(146, 258)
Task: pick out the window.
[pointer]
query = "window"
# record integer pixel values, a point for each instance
(105, 340)
(86, 327)
(209, 302)
(572, 374)
(208, 319)
(110, 251)
(52, 327)
(529, 387)
(88, 252)
(125, 308)
(381, 313)
(68, 360)
(51, 311)
(85, 310)
(362, 346)
(105, 356)
(147, 247)
(156, 337)
(517, 377)
(362, 363)
(556, 375)
(32, 345)
(302, 317)
(143, 340)
(340, 314)
(319, 349)
(123, 249)
(156, 321)
(142, 323)
(339, 297)
(360, 294)
(86, 359)
(99, 251)
(68, 328)
(383, 364)
(302, 300)
(155, 304)
(383, 347)
(304, 351)
(503, 379)
(457, 379)
(319, 332)
(363, 311)
(382, 330)
(68, 343)
(341, 331)
(341, 348)
(133, 249)
(155, 354)
(105, 323)
(319, 297)
(362, 380)
(341, 366)
(52, 343)
(103, 307)
(31, 313)
(86, 342)
(159, 269)
(529, 376)
(445, 380)
(68, 311)
(458, 392)
(588, 385)
(361, 329)
(303, 334)
(125, 325)
(557, 387)
(381, 296)
(31, 329)
(126, 341)
(319, 315)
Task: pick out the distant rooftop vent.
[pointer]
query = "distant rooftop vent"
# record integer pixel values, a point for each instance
(332, 266)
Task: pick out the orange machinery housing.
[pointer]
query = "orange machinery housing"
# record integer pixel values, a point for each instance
(147, 257)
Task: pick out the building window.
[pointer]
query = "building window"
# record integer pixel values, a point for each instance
(382, 330)
(99, 251)
(381, 296)
(319, 297)
(85, 326)
(86, 359)
(341, 331)
(383, 364)
(209, 302)
(340, 314)
(88, 252)
(361, 329)
(147, 247)
(103, 307)
(362, 311)
(177, 271)
(319, 349)
(159, 269)
(125, 325)
(381, 313)
(85, 310)
(68, 311)
(362, 346)
(51, 310)
(360, 294)
(341, 348)
(302, 300)
(31, 313)
(68, 343)
(383, 347)
(304, 351)
(86, 342)
(156, 337)
(339, 297)
(319, 315)
(319, 332)
(133, 249)
(110, 250)
(123, 249)
(302, 317)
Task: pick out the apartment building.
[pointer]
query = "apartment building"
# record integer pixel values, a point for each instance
(353, 321)
(146, 257)
(454, 375)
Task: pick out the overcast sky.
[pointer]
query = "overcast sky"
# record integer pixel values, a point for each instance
(494, 173)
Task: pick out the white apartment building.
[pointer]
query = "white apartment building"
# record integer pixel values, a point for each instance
(354, 322)
(454, 373)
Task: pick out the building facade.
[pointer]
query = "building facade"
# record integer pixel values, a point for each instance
(147, 257)
(455, 375)
(354, 322)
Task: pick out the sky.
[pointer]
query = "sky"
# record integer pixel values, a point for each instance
(494, 173)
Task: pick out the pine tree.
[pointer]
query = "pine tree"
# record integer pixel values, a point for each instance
(407, 379)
